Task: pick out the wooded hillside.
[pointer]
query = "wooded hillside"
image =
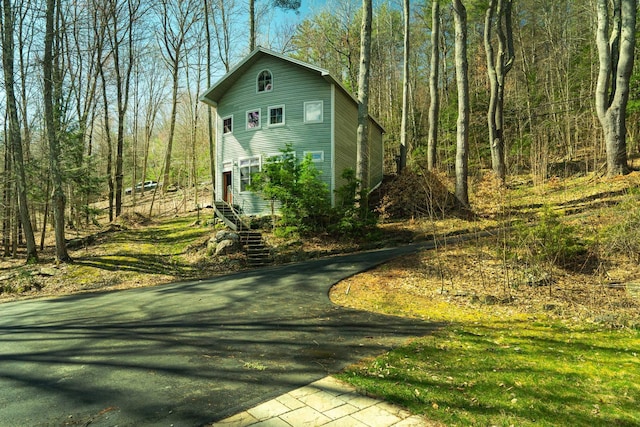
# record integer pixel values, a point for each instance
(101, 95)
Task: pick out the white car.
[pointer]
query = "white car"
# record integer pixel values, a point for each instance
(148, 185)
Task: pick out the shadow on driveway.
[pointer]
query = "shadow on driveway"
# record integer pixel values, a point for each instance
(187, 353)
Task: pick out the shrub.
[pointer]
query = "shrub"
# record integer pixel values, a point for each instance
(624, 235)
(548, 241)
(303, 197)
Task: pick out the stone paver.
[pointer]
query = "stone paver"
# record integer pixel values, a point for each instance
(327, 402)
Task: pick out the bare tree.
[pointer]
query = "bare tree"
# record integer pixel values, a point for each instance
(52, 119)
(119, 18)
(405, 86)
(362, 138)
(252, 25)
(282, 4)
(462, 67)
(156, 96)
(210, 136)
(616, 54)
(177, 18)
(14, 135)
(498, 14)
(81, 50)
(434, 103)
(219, 15)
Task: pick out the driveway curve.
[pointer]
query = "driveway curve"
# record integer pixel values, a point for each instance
(189, 353)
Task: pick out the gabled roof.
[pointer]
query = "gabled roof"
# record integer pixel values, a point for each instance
(215, 92)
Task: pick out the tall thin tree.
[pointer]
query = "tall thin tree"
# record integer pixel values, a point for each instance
(434, 103)
(362, 135)
(462, 79)
(282, 4)
(177, 17)
(405, 85)
(498, 15)
(15, 138)
(52, 120)
(210, 136)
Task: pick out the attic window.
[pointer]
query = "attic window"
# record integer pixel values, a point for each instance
(265, 81)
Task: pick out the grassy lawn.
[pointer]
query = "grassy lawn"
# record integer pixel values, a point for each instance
(512, 353)
(512, 372)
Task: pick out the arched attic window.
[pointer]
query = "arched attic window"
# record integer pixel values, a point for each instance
(265, 81)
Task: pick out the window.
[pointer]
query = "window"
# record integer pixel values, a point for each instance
(276, 115)
(280, 157)
(313, 112)
(248, 166)
(227, 125)
(316, 156)
(253, 119)
(265, 81)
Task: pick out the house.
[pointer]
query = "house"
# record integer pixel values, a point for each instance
(269, 100)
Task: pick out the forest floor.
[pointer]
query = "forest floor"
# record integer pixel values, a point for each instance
(136, 250)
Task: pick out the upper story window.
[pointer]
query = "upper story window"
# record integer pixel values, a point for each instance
(227, 125)
(265, 81)
(276, 116)
(313, 112)
(253, 119)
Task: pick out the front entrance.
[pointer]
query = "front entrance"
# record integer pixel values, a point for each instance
(227, 193)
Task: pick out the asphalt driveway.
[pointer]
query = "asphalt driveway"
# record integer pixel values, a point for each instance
(189, 353)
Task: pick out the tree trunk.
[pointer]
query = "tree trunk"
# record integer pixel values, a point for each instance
(462, 79)
(434, 105)
(58, 199)
(362, 139)
(212, 162)
(405, 88)
(15, 138)
(174, 48)
(252, 25)
(7, 197)
(172, 126)
(616, 56)
(499, 14)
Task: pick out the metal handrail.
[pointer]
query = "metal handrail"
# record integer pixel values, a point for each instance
(227, 221)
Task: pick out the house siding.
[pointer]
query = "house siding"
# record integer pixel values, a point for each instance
(346, 141)
(376, 155)
(292, 87)
(346, 129)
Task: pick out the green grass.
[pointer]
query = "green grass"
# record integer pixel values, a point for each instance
(521, 372)
(491, 368)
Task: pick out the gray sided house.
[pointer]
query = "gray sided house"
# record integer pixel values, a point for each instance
(269, 100)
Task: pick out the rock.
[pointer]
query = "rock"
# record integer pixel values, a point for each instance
(226, 247)
(488, 300)
(211, 245)
(226, 235)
